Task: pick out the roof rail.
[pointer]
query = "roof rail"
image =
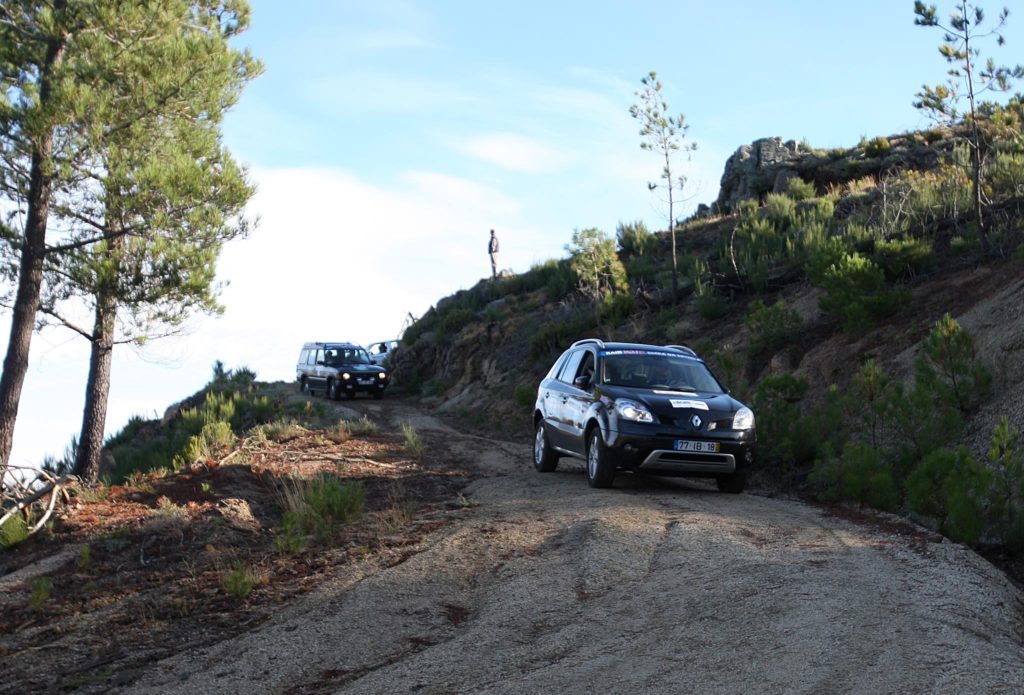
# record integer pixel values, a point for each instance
(685, 348)
(589, 341)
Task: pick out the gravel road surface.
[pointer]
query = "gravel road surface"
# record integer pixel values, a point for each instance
(546, 586)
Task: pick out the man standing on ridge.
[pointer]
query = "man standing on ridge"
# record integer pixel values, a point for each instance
(492, 251)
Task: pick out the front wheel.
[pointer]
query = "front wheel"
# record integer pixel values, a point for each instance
(732, 483)
(333, 391)
(544, 458)
(600, 471)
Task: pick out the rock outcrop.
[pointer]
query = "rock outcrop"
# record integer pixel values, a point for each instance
(756, 169)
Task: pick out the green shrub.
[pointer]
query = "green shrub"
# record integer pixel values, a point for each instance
(948, 486)
(14, 531)
(950, 363)
(857, 294)
(362, 427)
(771, 327)
(525, 395)
(42, 589)
(781, 430)
(877, 147)
(857, 475)
(904, 258)
(318, 507)
(615, 309)
(798, 189)
(413, 444)
(281, 430)
(453, 321)
(239, 583)
(634, 239)
(1006, 495)
(711, 306)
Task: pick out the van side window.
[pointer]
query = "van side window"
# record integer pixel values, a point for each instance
(319, 357)
(586, 367)
(303, 356)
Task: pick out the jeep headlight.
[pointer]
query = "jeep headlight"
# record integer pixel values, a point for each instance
(631, 410)
(381, 375)
(743, 419)
(346, 376)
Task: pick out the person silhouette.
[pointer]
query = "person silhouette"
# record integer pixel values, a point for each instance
(492, 251)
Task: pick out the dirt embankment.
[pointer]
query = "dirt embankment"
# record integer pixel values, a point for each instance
(654, 586)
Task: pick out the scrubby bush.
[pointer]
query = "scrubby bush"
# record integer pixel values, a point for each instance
(950, 364)
(949, 486)
(877, 147)
(318, 507)
(798, 189)
(771, 327)
(857, 294)
(1006, 492)
(904, 258)
(858, 474)
(634, 239)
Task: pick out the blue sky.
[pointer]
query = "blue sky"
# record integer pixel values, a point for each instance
(387, 138)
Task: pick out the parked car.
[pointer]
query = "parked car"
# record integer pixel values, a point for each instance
(381, 350)
(644, 408)
(339, 368)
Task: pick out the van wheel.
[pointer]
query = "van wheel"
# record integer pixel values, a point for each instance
(545, 459)
(304, 386)
(332, 390)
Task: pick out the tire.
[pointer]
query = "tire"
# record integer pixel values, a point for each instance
(732, 483)
(332, 390)
(600, 471)
(304, 386)
(545, 459)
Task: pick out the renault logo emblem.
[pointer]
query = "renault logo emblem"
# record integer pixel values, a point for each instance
(695, 421)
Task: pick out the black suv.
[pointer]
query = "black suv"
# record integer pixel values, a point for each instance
(339, 368)
(646, 408)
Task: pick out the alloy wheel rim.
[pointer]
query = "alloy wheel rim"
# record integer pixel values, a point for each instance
(592, 458)
(538, 445)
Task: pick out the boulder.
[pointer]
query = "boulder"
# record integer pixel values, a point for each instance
(752, 170)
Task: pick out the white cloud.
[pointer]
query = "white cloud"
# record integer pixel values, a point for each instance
(515, 152)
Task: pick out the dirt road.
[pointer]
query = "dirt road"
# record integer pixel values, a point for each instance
(547, 586)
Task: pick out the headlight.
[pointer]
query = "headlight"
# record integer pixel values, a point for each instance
(346, 376)
(631, 410)
(381, 375)
(743, 419)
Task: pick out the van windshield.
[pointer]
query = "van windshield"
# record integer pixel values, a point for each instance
(339, 357)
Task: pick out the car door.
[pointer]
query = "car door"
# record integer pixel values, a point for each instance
(579, 398)
(319, 378)
(556, 395)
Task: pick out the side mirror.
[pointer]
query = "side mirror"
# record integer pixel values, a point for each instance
(581, 382)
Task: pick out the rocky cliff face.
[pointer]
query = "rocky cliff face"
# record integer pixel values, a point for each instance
(756, 169)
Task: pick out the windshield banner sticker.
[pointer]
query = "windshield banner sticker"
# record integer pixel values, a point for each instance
(696, 405)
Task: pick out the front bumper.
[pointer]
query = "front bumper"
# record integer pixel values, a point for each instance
(363, 384)
(654, 452)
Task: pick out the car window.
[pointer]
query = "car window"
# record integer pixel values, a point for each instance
(568, 372)
(658, 370)
(586, 367)
(319, 356)
(303, 356)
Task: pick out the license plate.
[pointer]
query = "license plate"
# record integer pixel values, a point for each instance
(364, 382)
(698, 447)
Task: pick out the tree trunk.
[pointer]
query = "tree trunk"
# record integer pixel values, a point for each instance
(97, 389)
(30, 274)
(975, 141)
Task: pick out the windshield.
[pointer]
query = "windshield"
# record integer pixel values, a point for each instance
(657, 370)
(340, 356)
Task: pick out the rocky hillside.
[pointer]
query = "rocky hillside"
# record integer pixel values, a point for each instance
(817, 287)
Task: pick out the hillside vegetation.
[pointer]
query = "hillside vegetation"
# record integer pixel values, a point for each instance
(848, 298)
